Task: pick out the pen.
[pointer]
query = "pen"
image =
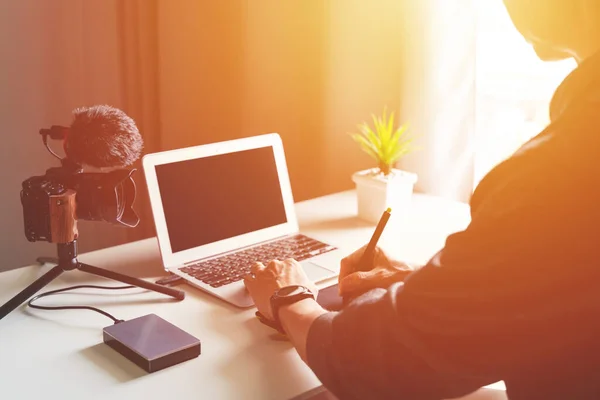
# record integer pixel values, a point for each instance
(366, 260)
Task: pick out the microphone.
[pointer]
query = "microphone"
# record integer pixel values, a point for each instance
(101, 136)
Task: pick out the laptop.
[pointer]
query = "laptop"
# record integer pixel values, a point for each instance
(219, 208)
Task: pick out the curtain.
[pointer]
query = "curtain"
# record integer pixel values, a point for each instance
(138, 61)
(438, 92)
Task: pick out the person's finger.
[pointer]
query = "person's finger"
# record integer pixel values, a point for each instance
(295, 267)
(356, 282)
(249, 280)
(402, 266)
(357, 255)
(273, 264)
(257, 268)
(382, 258)
(348, 263)
(345, 268)
(379, 277)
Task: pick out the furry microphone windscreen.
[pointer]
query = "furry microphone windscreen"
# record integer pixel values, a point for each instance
(103, 136)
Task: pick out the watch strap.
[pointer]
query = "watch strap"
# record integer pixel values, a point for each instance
(277, 301)
(269, 323)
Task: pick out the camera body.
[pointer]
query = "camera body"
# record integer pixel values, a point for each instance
(35, 198)
(99, 196)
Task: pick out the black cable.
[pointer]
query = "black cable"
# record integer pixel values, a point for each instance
(45, 140)
(52, 292)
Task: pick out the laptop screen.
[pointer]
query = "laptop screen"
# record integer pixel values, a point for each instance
(219, 197)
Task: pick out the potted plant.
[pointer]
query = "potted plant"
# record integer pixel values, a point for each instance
(383, 186)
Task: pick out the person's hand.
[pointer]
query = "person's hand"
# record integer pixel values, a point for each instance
(384, 271)
(263, 282)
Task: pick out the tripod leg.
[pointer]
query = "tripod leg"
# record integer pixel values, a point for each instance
(29, 291)
(178, 294)
(47, 260)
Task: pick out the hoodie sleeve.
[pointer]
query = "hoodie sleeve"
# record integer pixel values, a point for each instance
(487, 302)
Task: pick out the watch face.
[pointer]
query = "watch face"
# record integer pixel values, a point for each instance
(290, 290)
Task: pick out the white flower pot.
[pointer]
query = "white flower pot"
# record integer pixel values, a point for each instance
(376, 192)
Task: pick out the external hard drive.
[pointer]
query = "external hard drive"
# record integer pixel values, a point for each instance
(151, 342)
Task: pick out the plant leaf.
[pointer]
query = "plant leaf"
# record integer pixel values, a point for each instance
(366, 146)
(402, 148)
(390, 125)
(382, 142)
(397, 135)
(376, 125)
(370, 135)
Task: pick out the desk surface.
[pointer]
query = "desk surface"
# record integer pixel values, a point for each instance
(47, 354)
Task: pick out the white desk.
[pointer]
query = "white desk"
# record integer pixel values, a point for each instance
(60, 354)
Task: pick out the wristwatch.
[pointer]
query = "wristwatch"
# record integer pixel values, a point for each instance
(285, 296)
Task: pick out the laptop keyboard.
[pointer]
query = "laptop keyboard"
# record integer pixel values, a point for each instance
(233, 267)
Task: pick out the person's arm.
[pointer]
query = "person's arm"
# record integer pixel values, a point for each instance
(479, 310)
(296, 319)
(377, 347)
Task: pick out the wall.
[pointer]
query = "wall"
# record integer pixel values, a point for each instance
(309, 70)
(235, 69)
(201, 71)
(364, 64)
(57, 55)
(284, 81)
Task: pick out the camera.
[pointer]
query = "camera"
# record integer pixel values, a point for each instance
(101, 137)
(99, 196)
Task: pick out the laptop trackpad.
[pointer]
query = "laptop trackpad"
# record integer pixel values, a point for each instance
(315, 272)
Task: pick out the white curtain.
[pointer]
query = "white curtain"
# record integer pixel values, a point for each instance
(438, 98)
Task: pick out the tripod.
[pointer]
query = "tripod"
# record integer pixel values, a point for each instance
(64, 233)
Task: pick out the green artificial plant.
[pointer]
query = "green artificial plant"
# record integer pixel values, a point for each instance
(383, 142)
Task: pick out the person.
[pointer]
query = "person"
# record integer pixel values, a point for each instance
(514, 297)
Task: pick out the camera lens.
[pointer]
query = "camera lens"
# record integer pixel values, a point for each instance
(106, 197)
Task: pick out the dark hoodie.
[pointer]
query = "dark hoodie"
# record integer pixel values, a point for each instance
(513, 297)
